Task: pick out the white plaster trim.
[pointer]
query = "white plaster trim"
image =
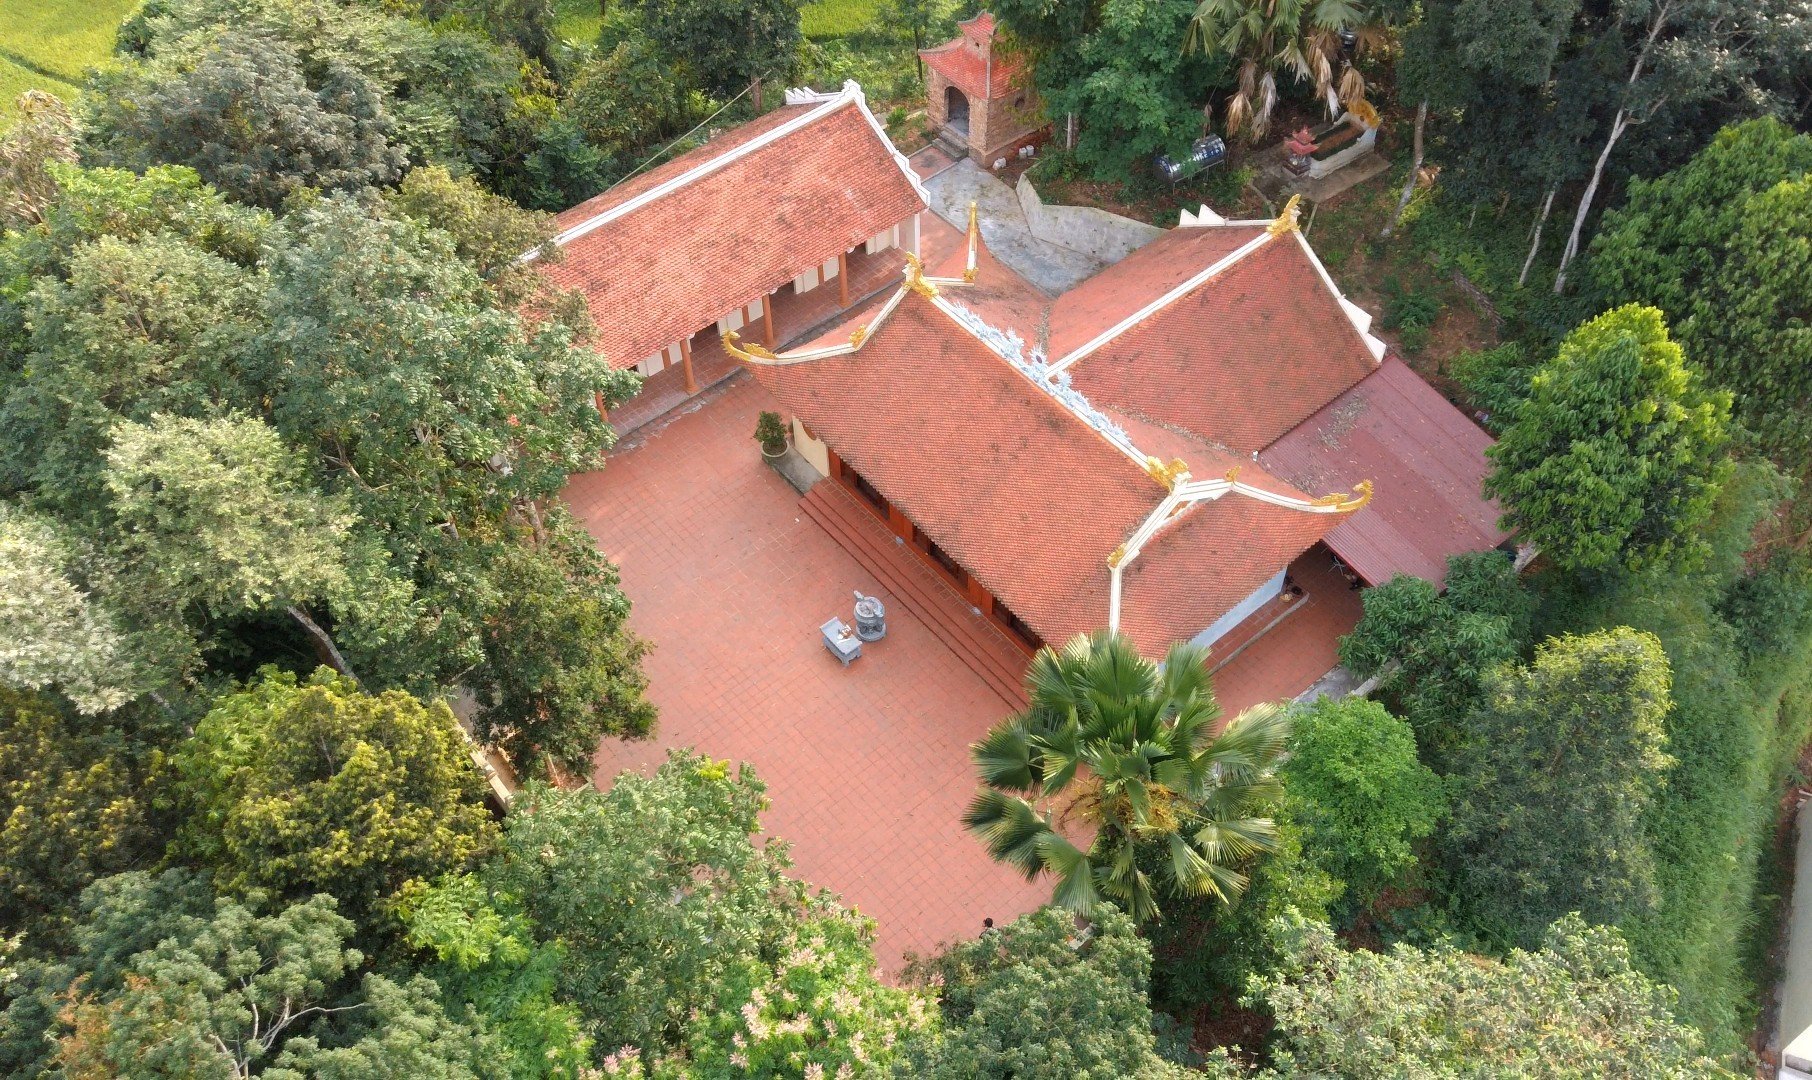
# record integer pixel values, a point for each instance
(827, 104)
(1353, 311)
(1199, 219)
(1171, 297)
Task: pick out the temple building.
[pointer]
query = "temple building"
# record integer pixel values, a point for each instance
(1150, 451)
(768, 230)
(983, 103)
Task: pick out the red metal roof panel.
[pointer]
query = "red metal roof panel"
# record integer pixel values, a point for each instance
(1426, 462)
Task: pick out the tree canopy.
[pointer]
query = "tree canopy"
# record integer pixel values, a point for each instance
(1573, 1007)
(1559, 763)
(1044, 996)
(1359, 793)
(1616, 456)
(303, 787)
(328, 419)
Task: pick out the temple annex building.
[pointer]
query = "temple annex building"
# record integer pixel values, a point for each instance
(1149, 451)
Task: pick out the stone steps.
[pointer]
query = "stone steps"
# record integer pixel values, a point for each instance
(909, 582)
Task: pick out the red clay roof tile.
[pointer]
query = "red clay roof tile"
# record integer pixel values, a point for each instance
(663, 271)
(1240, 360)
(1026, 496)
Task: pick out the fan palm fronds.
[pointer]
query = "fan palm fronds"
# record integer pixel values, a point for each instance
(1115, 744)
(1296, 38)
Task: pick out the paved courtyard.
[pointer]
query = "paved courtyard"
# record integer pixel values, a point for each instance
(867, 767)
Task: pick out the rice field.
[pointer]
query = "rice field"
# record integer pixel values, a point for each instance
(830, 19)
(48, 44)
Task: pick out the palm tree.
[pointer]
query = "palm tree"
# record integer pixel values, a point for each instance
(1112, 743)
(1264, 37)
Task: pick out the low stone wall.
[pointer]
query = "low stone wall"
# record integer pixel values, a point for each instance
(1086, 229)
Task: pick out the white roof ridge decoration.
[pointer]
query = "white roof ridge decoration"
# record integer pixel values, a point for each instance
(1189, 285)
(1358, 316)
(1186, 492)
(1197, 219)
(851, 93)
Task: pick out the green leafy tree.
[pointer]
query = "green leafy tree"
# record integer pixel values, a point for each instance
(1713, 244)
(219, 513)
(245, 113)
(74, 806)
(490, 233)
(1617, 455)
(424, 429)
(1432, 651)
(559, 669)
(1043, 997)
(1664, 245)
(54, 632)
(630, 100)
(820, 1010)
(132, 326)
(490, 964)
(726, 45)
(655, 891)
(1560, 763)
(1156, 774)
(1204, 951)
(1752, 322)
(1359, 793)
(1132, 93)
(442, 93)
(299, 787)
(168, 982)
(1575, 1007)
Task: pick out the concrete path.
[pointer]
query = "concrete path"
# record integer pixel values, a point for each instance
(1050, 268)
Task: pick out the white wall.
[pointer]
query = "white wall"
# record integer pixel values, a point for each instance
(1240, 611)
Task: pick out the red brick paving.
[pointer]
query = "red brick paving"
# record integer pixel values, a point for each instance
(868, 767)
(1288, 658)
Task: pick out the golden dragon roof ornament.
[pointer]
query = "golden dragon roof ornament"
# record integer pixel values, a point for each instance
(1288, 219)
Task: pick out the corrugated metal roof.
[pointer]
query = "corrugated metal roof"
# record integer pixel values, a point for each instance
(1425, 460)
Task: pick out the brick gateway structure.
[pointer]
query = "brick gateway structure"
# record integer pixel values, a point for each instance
(983, 102)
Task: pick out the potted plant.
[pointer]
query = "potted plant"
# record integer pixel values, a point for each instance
(771, 434)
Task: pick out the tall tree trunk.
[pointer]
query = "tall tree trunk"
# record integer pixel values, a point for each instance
(1409, 182)
(1547, 205)
(755, 86)
(324, 645)
(1619, 124)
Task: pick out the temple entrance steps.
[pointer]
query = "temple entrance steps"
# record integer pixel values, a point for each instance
(908, 581)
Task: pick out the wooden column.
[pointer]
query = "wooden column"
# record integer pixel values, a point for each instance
(843, 279)
(685, 355)
(767, 321)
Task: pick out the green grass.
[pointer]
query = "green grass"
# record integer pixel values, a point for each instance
(830, 19)
(48, 44)
(577, 20)
(14, 80)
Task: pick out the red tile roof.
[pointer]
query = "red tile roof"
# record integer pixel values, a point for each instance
(661, 271)
(1240, 360)
(1425, 460)
(1099, 302)
(1024, 494)
(964, 60)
